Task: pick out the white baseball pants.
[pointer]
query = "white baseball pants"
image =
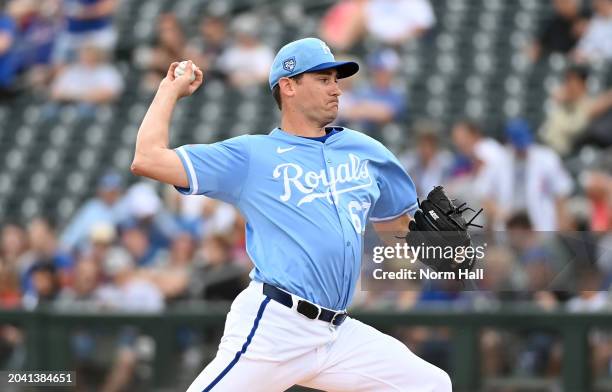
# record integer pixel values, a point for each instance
(268, 347)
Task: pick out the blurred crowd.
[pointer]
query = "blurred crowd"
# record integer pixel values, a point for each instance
(142, 248)
(125, 250)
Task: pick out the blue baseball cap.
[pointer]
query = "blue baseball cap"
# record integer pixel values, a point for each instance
(519, 133)
(307, 55)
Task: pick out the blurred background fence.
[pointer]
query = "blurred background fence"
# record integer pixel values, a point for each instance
(49, 337)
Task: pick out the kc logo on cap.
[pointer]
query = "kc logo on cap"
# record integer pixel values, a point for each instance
(289, 64)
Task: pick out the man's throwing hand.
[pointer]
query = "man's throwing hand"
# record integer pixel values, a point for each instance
(182, 85)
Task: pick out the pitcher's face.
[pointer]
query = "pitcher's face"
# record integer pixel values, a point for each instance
(317, 95)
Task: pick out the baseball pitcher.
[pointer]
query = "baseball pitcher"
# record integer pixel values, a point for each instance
(307, 191)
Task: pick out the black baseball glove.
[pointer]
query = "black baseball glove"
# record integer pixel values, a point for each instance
(441, 231)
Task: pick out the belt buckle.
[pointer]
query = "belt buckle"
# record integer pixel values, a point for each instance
(333, 326)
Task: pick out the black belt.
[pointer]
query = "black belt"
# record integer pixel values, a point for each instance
(306, 308)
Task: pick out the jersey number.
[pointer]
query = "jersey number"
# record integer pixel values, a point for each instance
(359, 213)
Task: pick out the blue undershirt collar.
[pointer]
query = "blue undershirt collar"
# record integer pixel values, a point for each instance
(328, 132)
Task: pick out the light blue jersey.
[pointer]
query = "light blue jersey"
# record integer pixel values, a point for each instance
(306, 203)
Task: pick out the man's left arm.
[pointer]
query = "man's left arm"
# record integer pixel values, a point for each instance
(397, 224)
(398, 199)
(389, 230)
(433, 215)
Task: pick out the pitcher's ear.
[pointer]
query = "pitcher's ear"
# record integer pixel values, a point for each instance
(287, 86)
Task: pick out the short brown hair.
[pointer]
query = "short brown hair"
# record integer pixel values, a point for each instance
(276, 91)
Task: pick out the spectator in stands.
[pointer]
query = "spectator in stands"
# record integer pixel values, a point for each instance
(573, 111)
(28, 29)
(182, 250)
(102, 237)
(145, 211)
(126, 290)
(93, 348)
(217, 276)
(105, 208)
(171, 273)
(247, 60)
(136, 241)
(500, 270)
(129, 293)
(43, 249)
(37, 45)
(535, 257)
(187, 211)
(45, 286)
(560, 32)
(85, 343)
(82, 294)
(170, 46)
(490, 177)
(596, 43)
(380, 102)
(10, 293)
(540, 272)
(218, 217)
(10, 30)
(394, 22)
(593, 297)
(13, 244)
(206, 47)
(90, 82)
(428, 163)
(201, 216)
(88, 23)
(540, 183)
(343, 24)
(598, 133)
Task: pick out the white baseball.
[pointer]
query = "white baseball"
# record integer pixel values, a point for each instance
(182, 67)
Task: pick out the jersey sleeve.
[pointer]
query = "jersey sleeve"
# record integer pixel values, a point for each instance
(397, 192)
(217, 170)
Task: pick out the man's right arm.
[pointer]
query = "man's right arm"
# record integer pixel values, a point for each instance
(153, 158)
